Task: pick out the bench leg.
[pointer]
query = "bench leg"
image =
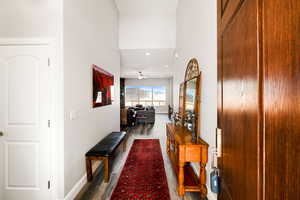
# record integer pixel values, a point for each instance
(106, 170)
(89, 171)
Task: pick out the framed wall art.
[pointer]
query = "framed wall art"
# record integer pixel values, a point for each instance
(103, 87)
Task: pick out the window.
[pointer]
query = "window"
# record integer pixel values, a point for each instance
(145, 95)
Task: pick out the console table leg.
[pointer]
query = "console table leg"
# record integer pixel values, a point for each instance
(203, 192)
(181, 179)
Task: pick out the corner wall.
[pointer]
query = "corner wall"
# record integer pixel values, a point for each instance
(197, 37)
(90, 37)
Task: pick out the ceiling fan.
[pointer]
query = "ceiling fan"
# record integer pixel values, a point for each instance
(140, 76)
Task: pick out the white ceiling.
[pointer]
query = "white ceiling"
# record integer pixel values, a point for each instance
(134, 60)
(147, 7)
(159, 64)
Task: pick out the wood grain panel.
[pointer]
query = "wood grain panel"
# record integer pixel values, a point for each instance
(192, 154)
(239, 163)
(282, 97)
(220, 69)
(259, 93)
(229, 11)
(224, 3)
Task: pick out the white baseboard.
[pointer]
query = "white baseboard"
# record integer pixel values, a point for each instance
(76, 189)
(79, 185)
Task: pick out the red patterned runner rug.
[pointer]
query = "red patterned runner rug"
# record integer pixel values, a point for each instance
(143, 176)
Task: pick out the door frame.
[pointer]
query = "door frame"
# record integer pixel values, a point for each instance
(56, 105)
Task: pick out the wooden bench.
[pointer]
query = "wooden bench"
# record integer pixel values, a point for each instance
(104, 151)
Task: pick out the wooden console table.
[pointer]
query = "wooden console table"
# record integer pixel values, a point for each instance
(182, 151)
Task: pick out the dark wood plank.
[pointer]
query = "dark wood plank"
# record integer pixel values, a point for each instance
(220, 64)
(224, 4)
(240, 111)
(258, 78)
(282, 97)
(228, 12)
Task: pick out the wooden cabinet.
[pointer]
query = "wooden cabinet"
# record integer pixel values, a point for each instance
(182, 151)
(184, 145)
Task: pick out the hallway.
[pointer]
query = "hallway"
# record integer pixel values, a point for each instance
(73, 73)
(99, 190)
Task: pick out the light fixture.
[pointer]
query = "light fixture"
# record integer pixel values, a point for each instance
(166, 66)
(147, 54)
(140, 76)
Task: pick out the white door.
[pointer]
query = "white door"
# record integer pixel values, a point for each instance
(24, 115)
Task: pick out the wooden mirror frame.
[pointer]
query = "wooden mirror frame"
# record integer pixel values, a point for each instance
(192, 72)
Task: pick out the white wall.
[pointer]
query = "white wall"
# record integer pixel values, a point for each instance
(147, 32)
(90, 37)
(29, 18)
(197, 37)
(154, 82)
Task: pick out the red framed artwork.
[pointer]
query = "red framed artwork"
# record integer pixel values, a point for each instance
(103, 87)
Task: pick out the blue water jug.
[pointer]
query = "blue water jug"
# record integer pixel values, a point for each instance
(215, 180)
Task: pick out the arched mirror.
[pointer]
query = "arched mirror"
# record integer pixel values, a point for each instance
(191, 98)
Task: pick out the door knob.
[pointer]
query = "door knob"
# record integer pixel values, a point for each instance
(1, 133)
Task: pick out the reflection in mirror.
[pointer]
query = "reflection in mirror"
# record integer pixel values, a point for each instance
(190, 95)
(190, 104)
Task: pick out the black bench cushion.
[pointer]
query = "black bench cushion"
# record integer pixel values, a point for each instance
(107, 145)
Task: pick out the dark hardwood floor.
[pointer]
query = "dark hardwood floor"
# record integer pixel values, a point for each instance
(98, 190)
